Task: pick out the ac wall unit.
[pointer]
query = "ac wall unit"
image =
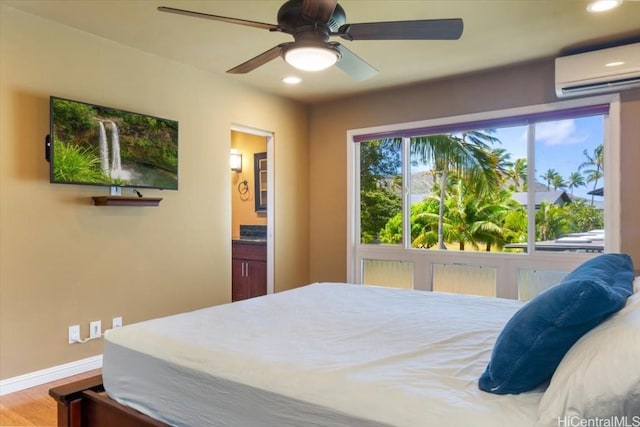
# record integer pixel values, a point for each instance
(606, 70)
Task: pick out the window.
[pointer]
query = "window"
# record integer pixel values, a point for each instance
(499, 204)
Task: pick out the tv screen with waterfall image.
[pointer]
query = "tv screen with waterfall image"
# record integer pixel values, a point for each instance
(96, 145)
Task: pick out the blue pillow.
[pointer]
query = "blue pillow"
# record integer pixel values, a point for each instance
(537, 337)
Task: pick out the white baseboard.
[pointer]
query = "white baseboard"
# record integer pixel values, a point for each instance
(54, 373)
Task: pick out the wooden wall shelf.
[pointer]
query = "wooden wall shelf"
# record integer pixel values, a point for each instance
(126, 201)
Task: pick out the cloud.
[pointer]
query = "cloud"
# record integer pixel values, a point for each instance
(562, 132)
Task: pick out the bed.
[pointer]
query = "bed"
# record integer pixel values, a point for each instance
(325, 354)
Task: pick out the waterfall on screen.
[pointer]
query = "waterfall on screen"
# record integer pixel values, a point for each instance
(116, 165)
(104, 149)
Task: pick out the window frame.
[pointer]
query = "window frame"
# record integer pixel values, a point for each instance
(507, 264)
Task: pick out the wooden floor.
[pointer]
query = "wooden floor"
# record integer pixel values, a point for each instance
(34, 406)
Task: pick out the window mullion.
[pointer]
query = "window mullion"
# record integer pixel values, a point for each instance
(531, 188)
(406, 192)
(353, 258)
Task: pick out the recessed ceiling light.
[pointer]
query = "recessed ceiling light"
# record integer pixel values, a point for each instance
(614, 64)
(603, 5)
(291, 80)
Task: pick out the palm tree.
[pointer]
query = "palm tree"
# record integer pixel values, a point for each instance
(467, 155)
(594, 166)
(504, 160)
(425, 222)
(558, 182)
(476, 220)
(517, 173)
(549, 176)
(575, 180)
(494, 210)
(551, 222)
(515, 225)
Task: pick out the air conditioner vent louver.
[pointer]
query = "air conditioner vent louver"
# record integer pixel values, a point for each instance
(613, 85)
(595, 72)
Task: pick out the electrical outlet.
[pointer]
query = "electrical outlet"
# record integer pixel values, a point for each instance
(116, 323)
(74, 334)
(95, 329)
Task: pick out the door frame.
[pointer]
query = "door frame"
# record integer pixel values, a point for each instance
(269, 136)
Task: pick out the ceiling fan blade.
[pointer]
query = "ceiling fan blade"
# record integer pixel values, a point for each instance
(353, 65)
(255, 24)
(425, 29)
(259, 60)
(318, 10)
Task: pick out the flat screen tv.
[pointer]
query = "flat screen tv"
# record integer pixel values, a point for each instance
(96, 145)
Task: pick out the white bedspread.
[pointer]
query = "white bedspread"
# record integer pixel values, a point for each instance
(322, 355)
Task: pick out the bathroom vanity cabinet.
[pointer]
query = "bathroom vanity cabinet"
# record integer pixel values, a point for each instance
(248, 269)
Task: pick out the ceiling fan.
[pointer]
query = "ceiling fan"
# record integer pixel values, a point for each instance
(313, 22)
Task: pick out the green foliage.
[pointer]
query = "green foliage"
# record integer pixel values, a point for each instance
(466, 155)
(551, 222)
(487, 222)
(515, 225)
(594, 166)
(575, 180)
(70, 117)
(392, 231)
(424, 222)
(149, 141)
(516, 175)
(471, 195)
(424, 225)
(583, 217)
(377, 207)
(477, 220)
(467, 218)
(551, 176)
(77, 164)
(141, 121)
(380, 198)
(379, 160)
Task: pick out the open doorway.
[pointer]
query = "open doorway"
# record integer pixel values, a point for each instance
(251, 212)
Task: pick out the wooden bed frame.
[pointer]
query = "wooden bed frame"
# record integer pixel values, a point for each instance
(84, 403)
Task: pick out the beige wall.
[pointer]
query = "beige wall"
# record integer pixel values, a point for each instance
(630, 171)
(64, 261)
(243, 206)
(520, 85)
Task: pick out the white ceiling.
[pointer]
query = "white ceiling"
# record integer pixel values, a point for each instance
(496, 33)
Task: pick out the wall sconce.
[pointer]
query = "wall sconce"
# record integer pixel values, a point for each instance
(236, 161)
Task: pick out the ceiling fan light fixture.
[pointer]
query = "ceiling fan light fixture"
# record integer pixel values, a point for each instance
(311, 58)
(312, 23)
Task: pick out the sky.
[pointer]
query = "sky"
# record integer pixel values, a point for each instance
(559, 146)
